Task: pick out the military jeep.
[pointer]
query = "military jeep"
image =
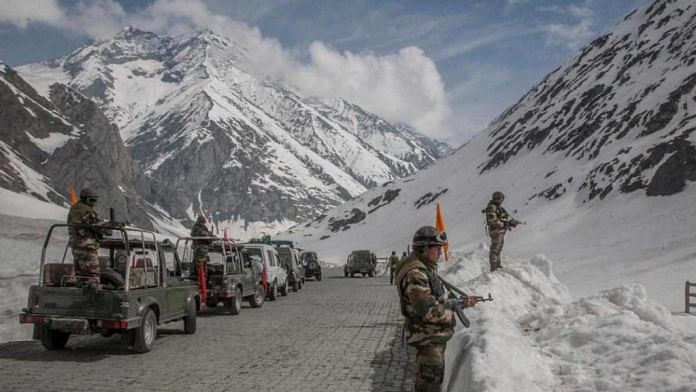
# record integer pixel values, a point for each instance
(230, 274)
(360, 262)
(310, 261)
(154, 292)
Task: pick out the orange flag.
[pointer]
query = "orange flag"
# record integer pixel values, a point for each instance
(440, 225)
(71, 195)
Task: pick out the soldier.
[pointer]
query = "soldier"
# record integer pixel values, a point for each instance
(393, 262)
(84, 241)
(200, 246)
(429, 322)
(498, 223)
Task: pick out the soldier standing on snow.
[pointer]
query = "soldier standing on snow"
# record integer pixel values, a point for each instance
(200, 246)
(84, 241)
(393, 262)
(498, 223)
(429, 322)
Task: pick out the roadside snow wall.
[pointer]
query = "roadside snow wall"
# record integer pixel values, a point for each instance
(533, 337)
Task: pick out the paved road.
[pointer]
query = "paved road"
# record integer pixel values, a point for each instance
(340, 334)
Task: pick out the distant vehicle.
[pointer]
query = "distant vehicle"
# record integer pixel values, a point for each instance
(310, 261)
(276, 276)
(290, 259)
(360, 262)
(155, 291)
(230, 274)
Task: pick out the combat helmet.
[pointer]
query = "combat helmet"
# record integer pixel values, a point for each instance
(88, 193)
(497, 194)
(201, 220)
(429, 236)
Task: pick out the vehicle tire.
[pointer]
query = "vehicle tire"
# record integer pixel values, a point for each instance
(107, 333)
(284, 289)
(364, 274)
(234, 305)
(372, 274)
(319, 277)
(273, 292)
(146, 334)
(345, 273)
(53, 339)
(295, 286)
(299, 284)
(190, 319)
(256, 300)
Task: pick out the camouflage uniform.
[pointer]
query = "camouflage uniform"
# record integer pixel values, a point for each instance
(84, 241)
(496, 218)
(429, 323)
(200, 247)
(393, 263)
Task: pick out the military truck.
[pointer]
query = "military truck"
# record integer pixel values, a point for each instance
(230, 274)
(290, 259)
(155, 291)
(310, 261)
(360, 262)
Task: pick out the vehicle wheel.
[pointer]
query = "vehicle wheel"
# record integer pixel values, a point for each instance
(295, 286)
(345, 273)
(364, 274)
(273, 292)
(53, 339)
(372, 274)
(319, 277)
(147, 332)
(107, 333)
(234, 305)
(299, 284)
(284, 289)
(190, 319)
(256, 300)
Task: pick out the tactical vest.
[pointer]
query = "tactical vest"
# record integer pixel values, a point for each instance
(408, 264)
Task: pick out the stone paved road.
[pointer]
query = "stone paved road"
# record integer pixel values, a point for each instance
(340, 334)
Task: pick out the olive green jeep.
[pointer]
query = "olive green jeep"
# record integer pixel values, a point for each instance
(154, 290)
(360, 262)
(230, 274)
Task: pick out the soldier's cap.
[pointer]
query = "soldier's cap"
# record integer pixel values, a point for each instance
(429, 236)
(497, 194)
(86, 193)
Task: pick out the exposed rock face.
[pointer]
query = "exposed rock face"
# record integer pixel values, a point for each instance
(49, 146)
(250, 153)
(632, 86)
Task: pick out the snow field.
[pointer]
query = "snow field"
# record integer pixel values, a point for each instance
(534, 337)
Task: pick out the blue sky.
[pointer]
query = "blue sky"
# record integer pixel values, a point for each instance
(487, 54)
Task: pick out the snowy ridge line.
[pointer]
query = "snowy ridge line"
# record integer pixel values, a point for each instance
(534, 337)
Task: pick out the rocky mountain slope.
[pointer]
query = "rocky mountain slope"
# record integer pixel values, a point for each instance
(599, 159)
(248, 152)
(50, 144)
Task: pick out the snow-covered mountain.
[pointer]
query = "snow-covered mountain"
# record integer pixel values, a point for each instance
(599, 159)
(48, 144)
(248, 152)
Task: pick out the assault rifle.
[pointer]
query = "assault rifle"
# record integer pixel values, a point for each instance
(512, 223)
(456, 302)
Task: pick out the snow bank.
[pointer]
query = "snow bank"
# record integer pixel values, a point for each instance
(533, 337)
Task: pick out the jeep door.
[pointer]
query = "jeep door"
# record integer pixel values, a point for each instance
(175, 287)
(247, 276)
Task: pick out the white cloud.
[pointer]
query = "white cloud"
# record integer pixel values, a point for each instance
(404, 87)
(21, 13)
(571, 36)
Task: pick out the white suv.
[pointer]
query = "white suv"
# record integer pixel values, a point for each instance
(276, 276)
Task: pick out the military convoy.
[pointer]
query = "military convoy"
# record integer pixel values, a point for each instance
(154, 286)
(360, 262)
